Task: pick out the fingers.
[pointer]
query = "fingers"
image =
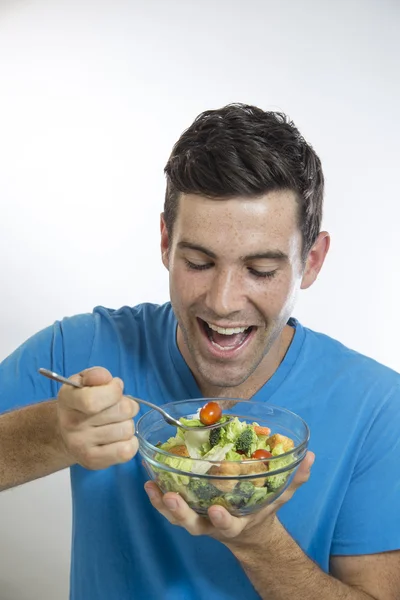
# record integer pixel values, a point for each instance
(96, 421)
(91, 400)
(308, 460)
(115, 432)
(220, 523)
(227, 525)
(303, 472)
(94, 376)
(176, 511)
(124, 410)
(101, 457)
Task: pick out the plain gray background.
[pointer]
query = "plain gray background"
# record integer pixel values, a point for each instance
(93, 96)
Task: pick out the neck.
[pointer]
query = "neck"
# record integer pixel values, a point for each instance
(261, 375)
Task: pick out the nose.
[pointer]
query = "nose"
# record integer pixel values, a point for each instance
(225, 296)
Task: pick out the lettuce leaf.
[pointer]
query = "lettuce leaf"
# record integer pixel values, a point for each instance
(197, 442)
(217, 453)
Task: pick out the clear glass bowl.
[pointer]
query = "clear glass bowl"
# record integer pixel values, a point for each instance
(267, 482)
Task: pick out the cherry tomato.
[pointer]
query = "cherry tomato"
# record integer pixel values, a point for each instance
(210, 413)
(261, 454)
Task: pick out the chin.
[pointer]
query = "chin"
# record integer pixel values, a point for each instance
(222, 378)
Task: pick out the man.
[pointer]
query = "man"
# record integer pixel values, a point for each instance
(240, 236)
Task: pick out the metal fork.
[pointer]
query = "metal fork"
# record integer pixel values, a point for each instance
(170, 420)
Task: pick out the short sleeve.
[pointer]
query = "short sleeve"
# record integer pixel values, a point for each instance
(369, 519)
(62, 347)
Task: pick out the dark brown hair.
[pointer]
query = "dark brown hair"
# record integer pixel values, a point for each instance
(241, 150)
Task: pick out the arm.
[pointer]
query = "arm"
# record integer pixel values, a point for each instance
(30, 445)
(365, 560)
(286, 572)
(274, 563)
(92, 426)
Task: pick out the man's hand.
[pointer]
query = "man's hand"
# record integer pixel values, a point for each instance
(252, 530)
(96, 422)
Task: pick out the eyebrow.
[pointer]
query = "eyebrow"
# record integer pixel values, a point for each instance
(269, 254)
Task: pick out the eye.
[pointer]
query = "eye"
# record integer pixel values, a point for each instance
(263, 274)
(197, 267)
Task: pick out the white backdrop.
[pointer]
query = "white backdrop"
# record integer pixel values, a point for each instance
(93, 94)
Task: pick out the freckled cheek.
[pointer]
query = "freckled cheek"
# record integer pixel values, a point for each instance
(186, 287)
(285, 295)
(275, 298)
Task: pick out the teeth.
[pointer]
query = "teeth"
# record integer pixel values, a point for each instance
(227, 331)
(224, 348)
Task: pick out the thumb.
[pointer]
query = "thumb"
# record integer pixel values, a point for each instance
(93, 376)
(303, 472)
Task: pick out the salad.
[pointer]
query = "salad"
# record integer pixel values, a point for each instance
(238, 450)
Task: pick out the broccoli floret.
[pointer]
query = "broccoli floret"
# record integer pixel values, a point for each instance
(203, 490)
(235, 500)
(246, 494)
(244, 489)
(260, 495)
(215, 436)
(275, 482)
(220, 501)
(247, 441)
(218, 434)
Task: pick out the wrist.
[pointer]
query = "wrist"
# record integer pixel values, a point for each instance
(259, 541)
(58, 445)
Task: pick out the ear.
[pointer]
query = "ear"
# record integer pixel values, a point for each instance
(315, 259)
(164, 242)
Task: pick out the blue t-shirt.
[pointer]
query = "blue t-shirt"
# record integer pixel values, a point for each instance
(123, 549)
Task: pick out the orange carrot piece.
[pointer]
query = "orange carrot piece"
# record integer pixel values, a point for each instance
(261, 430)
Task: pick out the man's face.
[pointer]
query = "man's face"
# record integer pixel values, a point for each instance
(234, 269)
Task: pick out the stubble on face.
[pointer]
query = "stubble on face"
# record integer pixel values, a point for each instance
(226, 292)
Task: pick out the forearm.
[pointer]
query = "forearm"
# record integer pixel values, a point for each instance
(286, 572)
(30, 445)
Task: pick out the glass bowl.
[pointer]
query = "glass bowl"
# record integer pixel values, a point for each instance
(242, 487)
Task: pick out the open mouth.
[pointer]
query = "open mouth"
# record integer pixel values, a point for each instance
(226, 338)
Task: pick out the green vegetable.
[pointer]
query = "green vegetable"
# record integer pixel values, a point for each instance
(275, 482)
(232, 455)
(278, 450)
(244, 494)
(235, 500)
(230, 432)
(175, 462)
(240, 494)
(197, 442)
(226, 434)
(203, 490)
(171, 482)
(171, 442)
(220, 500)
(262, 443)
(233, 430)
(244, 489)
(215, 436)
(217, 445)
(247, 441)
(217, 454)
(191, 422)
(260, 495)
